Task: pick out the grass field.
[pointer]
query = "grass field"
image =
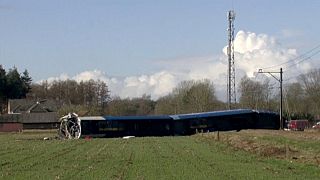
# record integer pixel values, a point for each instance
(27, 156)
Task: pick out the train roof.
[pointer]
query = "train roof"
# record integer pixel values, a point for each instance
(172, 117)
(125, 118)
(128, 118)
(212, 114)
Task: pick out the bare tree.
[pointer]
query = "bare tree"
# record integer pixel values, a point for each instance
(135, 106)
(166, 105)
(295, 99)
(91, 94)
(255, 95)
(311, 85)
(188, 97)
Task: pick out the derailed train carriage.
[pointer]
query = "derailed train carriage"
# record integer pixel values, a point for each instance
(168, 125)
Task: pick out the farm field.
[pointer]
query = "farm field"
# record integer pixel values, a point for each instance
(236, 155)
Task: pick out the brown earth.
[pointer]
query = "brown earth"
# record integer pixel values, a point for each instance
(300, 146)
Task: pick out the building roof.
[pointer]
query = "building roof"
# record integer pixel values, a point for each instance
(31, 106)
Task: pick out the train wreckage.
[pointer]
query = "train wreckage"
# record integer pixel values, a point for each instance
(73, 127)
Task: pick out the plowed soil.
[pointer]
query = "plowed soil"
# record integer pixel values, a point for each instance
(301, 146)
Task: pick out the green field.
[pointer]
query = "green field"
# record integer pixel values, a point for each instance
(28, 156)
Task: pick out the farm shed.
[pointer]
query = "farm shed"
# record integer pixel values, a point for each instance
(18, 122)
(28, 114)
(47, 120)
(10, 123)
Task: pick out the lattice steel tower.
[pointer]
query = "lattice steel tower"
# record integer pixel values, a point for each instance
(231, 69)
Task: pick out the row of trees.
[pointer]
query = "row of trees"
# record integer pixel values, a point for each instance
(72, 95)
(135, 106)
(256, 94)
(93, 98)
(304, 96)
(301, 98)
(189, 97)
(13, 85)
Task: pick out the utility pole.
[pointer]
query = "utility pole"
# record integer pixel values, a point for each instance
(231, 86)
(281, 97)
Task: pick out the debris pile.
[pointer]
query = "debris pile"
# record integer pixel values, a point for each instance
(70, 127)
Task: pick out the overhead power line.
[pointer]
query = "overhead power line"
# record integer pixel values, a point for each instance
(305, 59)
(302, 56)
(298, 62)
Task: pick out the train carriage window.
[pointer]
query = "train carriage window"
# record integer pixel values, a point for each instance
(199, 123)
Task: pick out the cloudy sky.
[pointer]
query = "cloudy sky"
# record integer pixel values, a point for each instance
(149, 46)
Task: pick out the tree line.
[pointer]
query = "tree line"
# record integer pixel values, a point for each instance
(301, 98)
(93, 98)
(85, 96)
(13, 85)
(188, 97)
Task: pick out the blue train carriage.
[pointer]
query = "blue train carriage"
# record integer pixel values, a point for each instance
(187, 124)
(181, 124)
(119, 126)
(214, 121)
(267, 120)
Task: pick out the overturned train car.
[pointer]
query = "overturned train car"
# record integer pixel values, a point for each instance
(181, 124)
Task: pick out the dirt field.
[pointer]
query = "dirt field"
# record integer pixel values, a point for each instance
(300, 146)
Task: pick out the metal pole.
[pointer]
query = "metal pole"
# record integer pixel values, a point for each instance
(281, 97)
(229, 57)
(231, 69)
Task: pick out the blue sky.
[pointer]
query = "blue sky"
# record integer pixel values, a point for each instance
(132, 38)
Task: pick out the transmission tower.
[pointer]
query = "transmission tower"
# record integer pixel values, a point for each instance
(231, 69)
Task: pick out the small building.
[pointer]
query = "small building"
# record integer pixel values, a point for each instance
(10, 123)
(48, 120)
(28, 114)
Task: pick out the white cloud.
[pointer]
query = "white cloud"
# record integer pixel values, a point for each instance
(87, 75)
(158, 84)
(249, 42)
(252, 51)
(258, 51)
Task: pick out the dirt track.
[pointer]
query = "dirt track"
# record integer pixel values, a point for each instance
(296, 135)
(300, 146)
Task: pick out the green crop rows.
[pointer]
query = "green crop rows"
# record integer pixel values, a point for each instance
(28, 156)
